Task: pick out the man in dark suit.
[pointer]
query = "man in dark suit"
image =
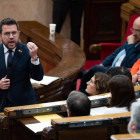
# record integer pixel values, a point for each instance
(19, 62)
(125, 56)
(60, 10)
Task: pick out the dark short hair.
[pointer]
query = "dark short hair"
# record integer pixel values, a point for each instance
(101, 80)
(78, 104)
(122, 91)
(8, 21)
(119, 71)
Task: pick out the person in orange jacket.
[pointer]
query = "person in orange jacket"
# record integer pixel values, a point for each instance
(135, 72)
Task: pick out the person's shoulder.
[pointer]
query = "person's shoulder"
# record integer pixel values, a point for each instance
(21, 44)
(22, 47)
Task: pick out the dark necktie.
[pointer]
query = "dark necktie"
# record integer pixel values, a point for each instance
(9, 64)
(9, 59)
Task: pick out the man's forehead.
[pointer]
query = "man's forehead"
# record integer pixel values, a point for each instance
(9, 27)
(136, 25)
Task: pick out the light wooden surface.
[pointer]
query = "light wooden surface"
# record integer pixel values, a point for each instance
(135, 3)
(136, 88)
(73, 119)
(125, 137)
(10, 111)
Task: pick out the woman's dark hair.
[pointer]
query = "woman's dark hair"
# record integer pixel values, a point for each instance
(101, 80)
(122, 91)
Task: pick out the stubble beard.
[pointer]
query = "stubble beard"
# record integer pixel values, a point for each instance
(6, 44)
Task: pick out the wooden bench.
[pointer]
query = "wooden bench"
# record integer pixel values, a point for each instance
(126, 137)
(14, 119)
(61, 58)
(99, 127)
(59, 106)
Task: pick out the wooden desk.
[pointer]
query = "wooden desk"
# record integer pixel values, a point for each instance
(15, 127)
(59, 57)
(126, 137)
(100, 127)
(55, 107)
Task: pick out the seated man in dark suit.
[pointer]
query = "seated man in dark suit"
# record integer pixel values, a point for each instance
(18, 62)
(125, 56)
(78, 104)
(134, 123)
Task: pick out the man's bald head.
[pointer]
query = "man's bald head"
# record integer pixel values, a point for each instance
(136, 29)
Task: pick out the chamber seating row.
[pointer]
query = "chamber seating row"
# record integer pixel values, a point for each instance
(14, 121)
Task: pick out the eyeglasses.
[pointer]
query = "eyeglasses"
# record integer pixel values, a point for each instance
(135, 30)
(7, 34)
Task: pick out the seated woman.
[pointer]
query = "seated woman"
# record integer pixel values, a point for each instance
(98, 84)
(122, 94)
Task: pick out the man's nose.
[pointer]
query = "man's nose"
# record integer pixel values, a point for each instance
(10, 36)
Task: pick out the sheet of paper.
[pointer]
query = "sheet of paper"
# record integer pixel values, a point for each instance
(38, 127)
(45, 121)
(97, 111)
(46, 118)
(45, 81)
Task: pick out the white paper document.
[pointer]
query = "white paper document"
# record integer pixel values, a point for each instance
(38, 127)
(97, 111)
(45, 81)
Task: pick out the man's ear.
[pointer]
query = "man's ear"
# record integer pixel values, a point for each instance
(68, 112)
(133, 127)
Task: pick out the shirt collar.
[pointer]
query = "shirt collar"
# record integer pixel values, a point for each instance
(6, 50)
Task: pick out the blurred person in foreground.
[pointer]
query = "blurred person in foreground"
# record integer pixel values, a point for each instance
(134, 123)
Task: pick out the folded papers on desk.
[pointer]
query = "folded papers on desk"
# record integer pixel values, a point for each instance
(45, 121)
(45, 81)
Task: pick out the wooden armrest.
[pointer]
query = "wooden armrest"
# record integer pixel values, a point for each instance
(94, 48)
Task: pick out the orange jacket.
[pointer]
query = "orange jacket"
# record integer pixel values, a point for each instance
(135, 67)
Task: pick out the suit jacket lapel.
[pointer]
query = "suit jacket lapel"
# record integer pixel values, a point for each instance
(2, 59)
(17, 55)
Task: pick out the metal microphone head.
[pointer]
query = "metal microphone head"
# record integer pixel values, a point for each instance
(9, 65)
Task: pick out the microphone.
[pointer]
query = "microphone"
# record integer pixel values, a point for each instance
(9, 65)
